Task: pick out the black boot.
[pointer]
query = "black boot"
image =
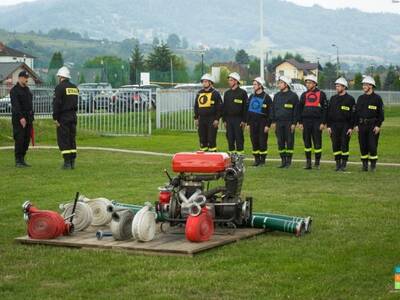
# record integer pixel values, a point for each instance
(344, 164)
(262, 160)
(373, 165)
(67, 162)
(73, 157)
(288, 161)
(308, 164)
(364, 165)
(283, 161)
(338, 165)
(256, 160)
(19, 163)
(317, 161)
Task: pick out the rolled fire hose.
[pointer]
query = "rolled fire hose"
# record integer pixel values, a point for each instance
(307, 221)
(144, 224)
(297, 228)
(199, 228)
(45, 224)
(98, 206)
(83, 214)
(121, 225)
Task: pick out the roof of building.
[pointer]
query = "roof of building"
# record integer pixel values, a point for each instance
(7, 69)
(306, 66)
(7, 51)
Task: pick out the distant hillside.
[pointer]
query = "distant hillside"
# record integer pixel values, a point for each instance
(229, 23)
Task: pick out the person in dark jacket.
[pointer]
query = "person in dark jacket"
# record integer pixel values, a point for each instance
(259, 121)
(234, 114)
(369, 118)
(312, 114)
(65, 105)
(284, 115)
(207, 113)
(340, 123)
(22, 118)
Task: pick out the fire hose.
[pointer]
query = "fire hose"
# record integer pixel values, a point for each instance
(45, 224)
(98, 206)
(144, 224)
(298, 228)
(83, 214)
(307, 221)
(121, 225)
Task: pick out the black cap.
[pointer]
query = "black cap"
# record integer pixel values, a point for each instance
(23, 74)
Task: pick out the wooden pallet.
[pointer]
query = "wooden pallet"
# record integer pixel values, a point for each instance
(171, 243)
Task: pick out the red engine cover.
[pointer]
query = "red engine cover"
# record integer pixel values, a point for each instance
(200, 162)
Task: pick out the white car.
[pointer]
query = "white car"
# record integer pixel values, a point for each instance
(5, 104)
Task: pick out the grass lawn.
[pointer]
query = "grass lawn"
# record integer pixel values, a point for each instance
(351, 253)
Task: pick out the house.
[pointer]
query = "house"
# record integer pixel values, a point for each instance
(9, 55)
(9, 73)
(296, 70)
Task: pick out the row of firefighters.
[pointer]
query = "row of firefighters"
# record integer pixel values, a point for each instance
(312, 113)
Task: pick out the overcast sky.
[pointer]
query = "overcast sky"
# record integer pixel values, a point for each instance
(365, 5)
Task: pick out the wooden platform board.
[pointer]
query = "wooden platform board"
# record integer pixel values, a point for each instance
(171, 243)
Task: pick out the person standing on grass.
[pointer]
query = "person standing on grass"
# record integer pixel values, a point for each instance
(22, 118)
(65, 105)
(369, 119)
(234, 114)
(340, 122)
(207, 112)
(312, 114)
(259, 121)
(284, 115)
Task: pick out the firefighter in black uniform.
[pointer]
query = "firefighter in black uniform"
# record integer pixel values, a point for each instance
(65, 105)
(340, 123)
(234, 114)
(259, 121)
(369, 119)
(284, 115)
(312, 114)
(22, 118)
(207, 112)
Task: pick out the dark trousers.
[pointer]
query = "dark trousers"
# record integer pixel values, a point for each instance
(21, 138)
(234, 134)
(207, 134)
(368, 141)
(340, 140)
(312, 135)
(285, 138)
(66, 139)
(259, 139)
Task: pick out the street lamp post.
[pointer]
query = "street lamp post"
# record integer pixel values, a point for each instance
(337, 59)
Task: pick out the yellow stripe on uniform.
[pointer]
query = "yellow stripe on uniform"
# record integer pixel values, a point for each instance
(264, 152)
(307, 149)
(317, 150)
(364, 156)
(337, 153)
(72, 92)
(373, 157)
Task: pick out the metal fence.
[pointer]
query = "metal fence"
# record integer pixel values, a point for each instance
(125, 111)
(175, 107)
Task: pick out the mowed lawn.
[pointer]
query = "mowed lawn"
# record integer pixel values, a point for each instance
(350, 254)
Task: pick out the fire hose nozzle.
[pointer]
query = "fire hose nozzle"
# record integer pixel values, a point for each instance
(25, 207)
(100, 234)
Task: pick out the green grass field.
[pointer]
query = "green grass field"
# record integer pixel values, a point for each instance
(351, 253)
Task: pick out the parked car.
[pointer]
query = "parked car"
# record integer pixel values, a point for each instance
(5, 104)
(132, 98)
(95, 96)
(188, 86)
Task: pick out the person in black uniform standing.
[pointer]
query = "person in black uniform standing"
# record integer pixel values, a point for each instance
(312, 114)
(369, 119)
(340, 122)
(22, 118)
(65, 105)
(234, 114)
(207, 112)
(259, 121)
(284, 115)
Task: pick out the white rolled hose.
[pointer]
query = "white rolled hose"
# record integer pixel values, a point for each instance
(98, 206)
(121, 225)
(83, 216)
(144, 224)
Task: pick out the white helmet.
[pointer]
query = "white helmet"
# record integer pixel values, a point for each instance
(235, 76)
(342, 81)
(260, 81)
(369, 80)
(207, 77)
(64, 72)
(285, 79)
(311, 78)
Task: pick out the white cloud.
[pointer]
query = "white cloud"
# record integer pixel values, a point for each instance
(12, 2)
(364, 5)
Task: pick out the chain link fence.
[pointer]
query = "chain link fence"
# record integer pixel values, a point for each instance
(124, 111)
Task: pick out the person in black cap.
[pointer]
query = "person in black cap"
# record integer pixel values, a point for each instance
(22, 118)
(65, 105)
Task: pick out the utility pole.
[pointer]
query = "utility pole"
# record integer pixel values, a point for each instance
(172, 71)
(262, 75)
(337, 60)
